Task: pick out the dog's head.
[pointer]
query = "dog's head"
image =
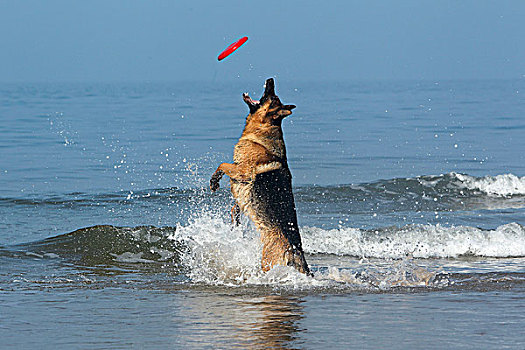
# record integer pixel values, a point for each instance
(269, 109)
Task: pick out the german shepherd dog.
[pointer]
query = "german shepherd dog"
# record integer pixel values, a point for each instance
(261, 182)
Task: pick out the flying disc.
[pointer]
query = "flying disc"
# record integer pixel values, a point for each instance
(232, 48)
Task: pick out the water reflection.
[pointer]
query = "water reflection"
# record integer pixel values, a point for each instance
(241, 321)
(272, 322)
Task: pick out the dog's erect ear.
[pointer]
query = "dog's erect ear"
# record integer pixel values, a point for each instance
(269, 89)
(282, 113)
(252, 104)
(285, 111)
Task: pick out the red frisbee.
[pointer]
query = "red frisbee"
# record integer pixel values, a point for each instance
(232, 48)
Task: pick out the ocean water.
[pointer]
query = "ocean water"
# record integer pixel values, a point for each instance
(410, 198)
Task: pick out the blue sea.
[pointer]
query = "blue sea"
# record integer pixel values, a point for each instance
(410, 198)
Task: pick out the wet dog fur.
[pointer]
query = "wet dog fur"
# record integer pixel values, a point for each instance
(261, 182)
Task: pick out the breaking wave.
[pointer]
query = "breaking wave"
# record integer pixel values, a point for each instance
(428, 186)
(429, 192)
(418, 241)
(206, 249)
(499, 185)
(211, 251)
(448, 192)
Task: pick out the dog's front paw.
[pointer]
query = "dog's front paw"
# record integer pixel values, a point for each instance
(214, 181)
(214, 185)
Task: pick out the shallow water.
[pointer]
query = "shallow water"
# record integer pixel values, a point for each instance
(410, 197)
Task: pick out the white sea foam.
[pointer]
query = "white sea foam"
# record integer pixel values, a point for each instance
(219, 254)
(419, 241)
(499, 185)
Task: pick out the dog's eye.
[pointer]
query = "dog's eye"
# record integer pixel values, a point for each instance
(275, 103)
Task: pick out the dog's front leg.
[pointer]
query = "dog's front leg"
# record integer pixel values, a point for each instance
(215, 178)
(236, 214)
(234, 171)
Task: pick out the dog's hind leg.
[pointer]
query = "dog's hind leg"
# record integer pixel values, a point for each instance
(236, 214)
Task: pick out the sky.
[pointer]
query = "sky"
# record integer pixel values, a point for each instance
(87, 41)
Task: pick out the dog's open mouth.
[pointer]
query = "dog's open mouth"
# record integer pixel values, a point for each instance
(249, 100)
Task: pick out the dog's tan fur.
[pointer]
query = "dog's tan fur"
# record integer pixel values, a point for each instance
(261, 182)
